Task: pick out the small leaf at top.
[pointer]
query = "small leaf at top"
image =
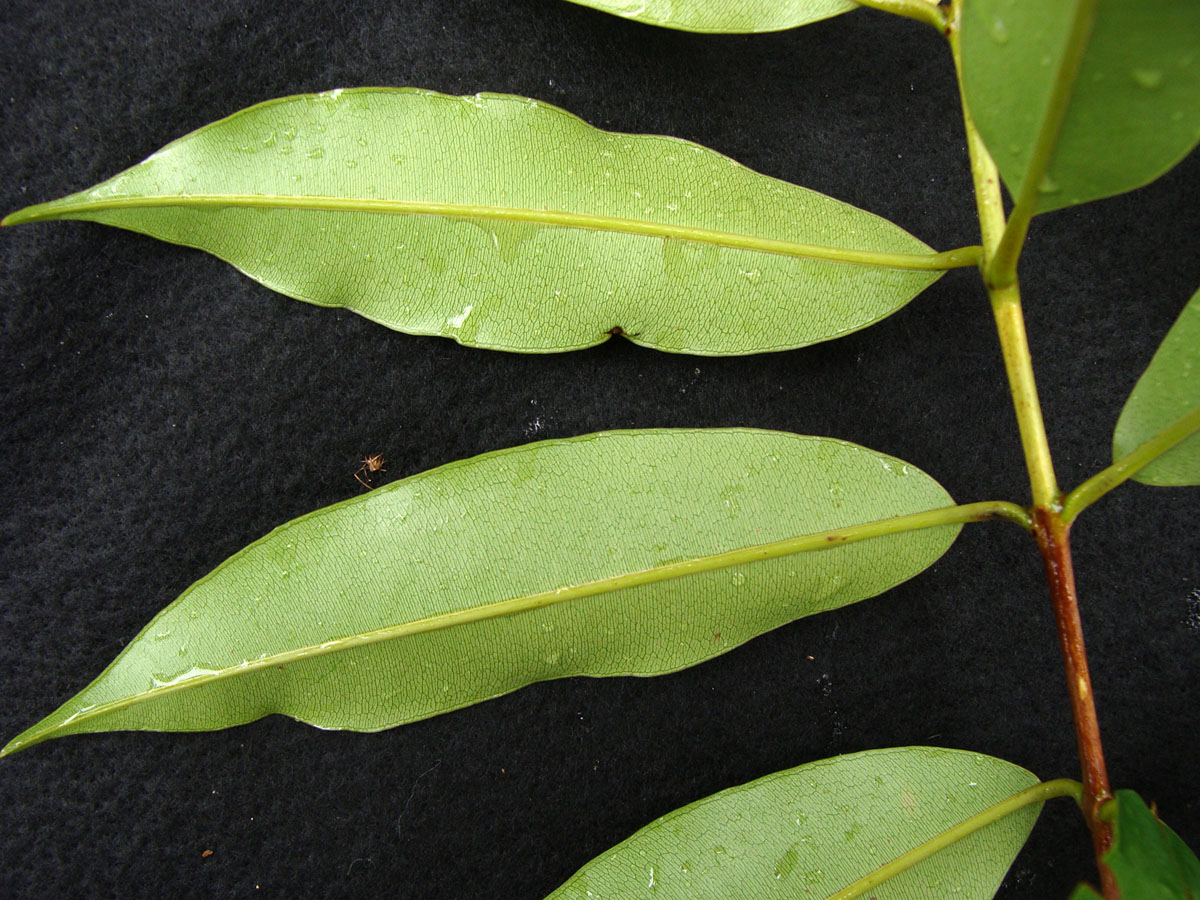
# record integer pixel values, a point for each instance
(482, 576)
(1134, 110)
(723, 16)
(813, 830)
(507, 223)
(1167, 391)
(1148, 860)
(1085, 892)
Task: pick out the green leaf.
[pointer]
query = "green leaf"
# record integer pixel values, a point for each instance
(813, 830)
(1148, 859)
(1085, 892)
(1133, 113)
(723, 16)
(1167, 390)
(506, 223)
(455, 585)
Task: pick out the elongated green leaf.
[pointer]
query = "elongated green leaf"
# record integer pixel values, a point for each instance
(1167, 390)
(723, 16)
(455, 585)
(505, 223)
(1134, 110)
(1148, 859)
(813, 830)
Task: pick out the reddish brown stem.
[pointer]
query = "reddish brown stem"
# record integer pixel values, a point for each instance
(1053, 537)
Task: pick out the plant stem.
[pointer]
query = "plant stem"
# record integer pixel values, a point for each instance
(1001, 270)
(1053, 536)
(1128, 466)
(921, 10)
(1051, 531)
(74, 207)
(1006, 308)
(1039, 793)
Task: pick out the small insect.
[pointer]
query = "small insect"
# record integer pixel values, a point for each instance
(372, 464)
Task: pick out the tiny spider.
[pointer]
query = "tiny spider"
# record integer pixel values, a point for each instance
(372, 464)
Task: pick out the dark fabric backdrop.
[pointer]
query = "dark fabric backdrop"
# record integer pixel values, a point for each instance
(161, 411)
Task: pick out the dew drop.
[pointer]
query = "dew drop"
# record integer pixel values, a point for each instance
(1048, 185)
(1147, 78)
(999, 31)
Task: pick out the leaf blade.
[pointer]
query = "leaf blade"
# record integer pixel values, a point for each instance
(1134, 109)
(447, 541)
(722, 16)
(1149, 860)
(1167, 390)
(820, 827)
(407, 251)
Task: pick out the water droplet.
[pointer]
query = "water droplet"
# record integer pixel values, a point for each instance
(1147, 78)
(315, 153)
(999, 31)
(162, 635)
(786, 863)
(1048, 185)
(739, 578)
(350, 164)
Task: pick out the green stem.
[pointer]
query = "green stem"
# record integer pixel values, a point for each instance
(825, 540)
(925, 262)
(1002, 269)
(921, 10)
(1128, 466)
(1039, 793)
(1006, 307)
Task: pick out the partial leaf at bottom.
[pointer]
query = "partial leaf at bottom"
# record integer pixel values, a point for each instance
(1148, 860)
(444, 589)
(813, 830)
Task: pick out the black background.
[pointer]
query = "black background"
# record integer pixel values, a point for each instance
(162, 411)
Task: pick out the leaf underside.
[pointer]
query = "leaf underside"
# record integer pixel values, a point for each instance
(1134, 109)
(1167, 391)
(723, 16)
(815, 829)
(280, 626)
(452, 216)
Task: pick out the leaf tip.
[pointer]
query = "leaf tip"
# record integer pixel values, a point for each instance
(11, 747)
(20, 216)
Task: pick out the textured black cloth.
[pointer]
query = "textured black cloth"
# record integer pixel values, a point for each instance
(161, 411)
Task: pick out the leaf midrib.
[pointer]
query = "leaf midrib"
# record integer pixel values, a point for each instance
(961, 257)
(952, 515)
